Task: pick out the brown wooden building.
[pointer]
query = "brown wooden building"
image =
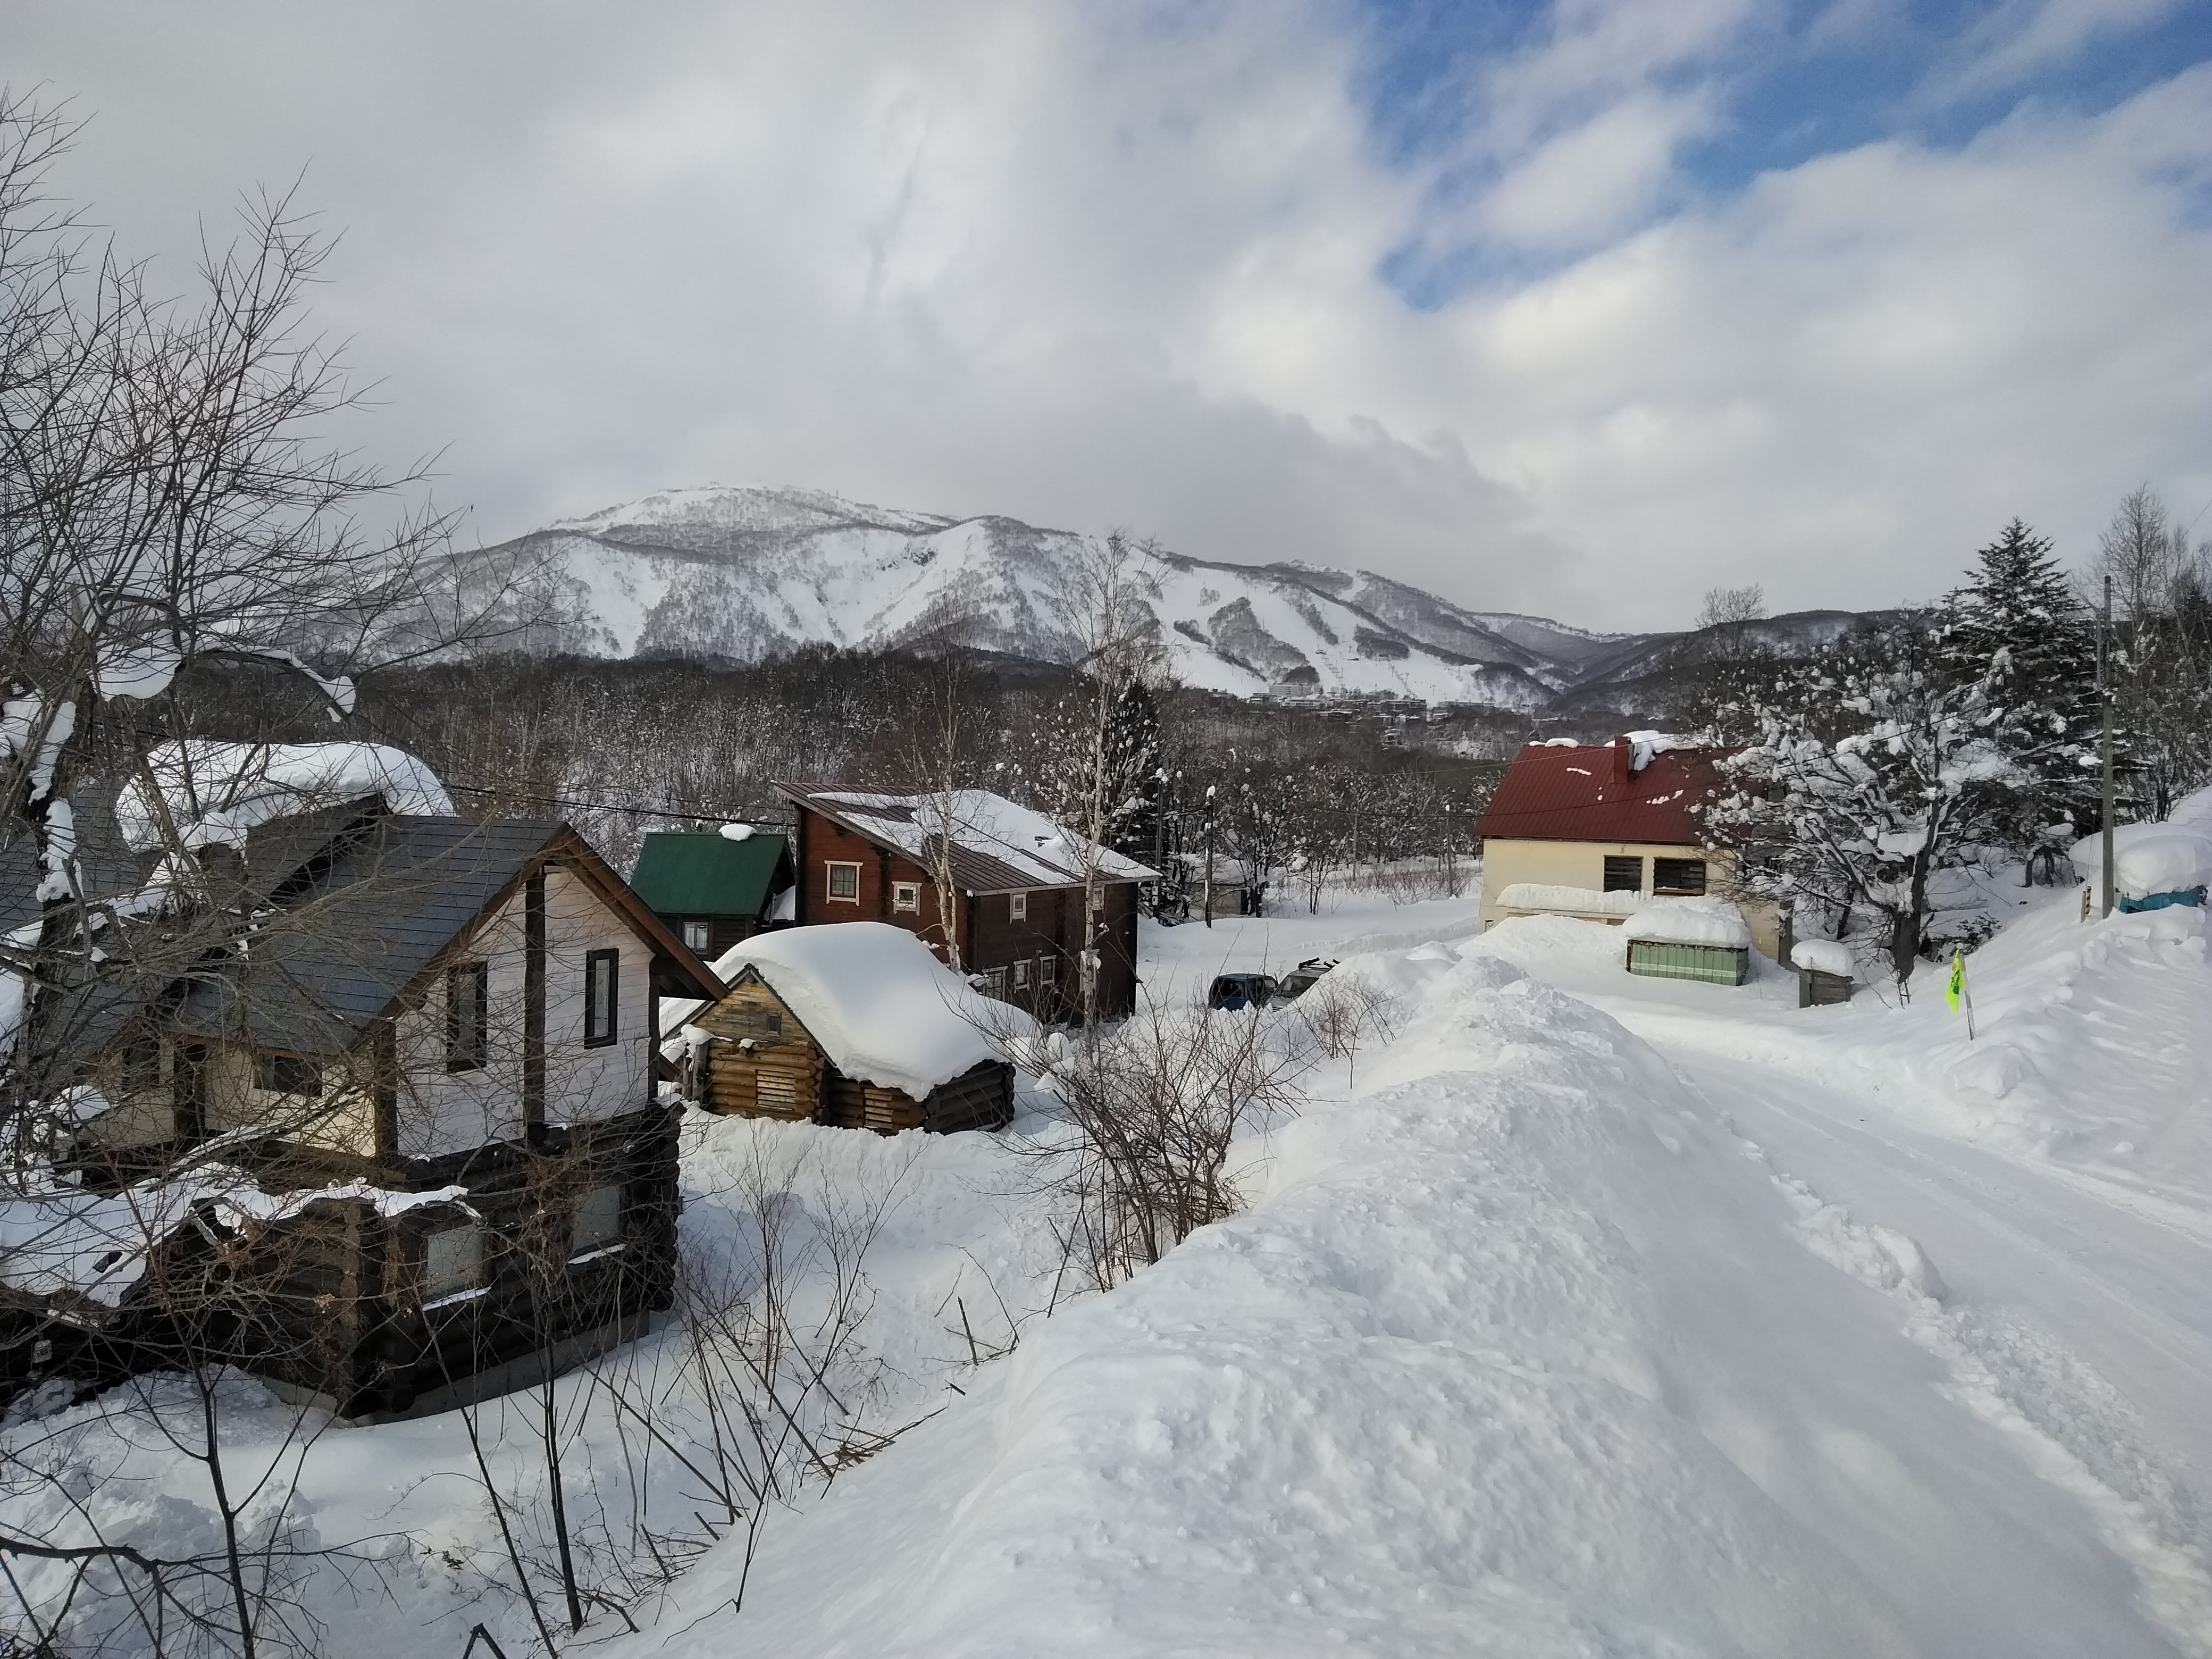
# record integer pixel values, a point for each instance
(853, 1024)
(1018, 920)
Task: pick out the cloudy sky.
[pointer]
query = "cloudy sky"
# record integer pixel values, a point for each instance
(1577, 307)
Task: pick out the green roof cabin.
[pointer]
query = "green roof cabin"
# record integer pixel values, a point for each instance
(715, 887)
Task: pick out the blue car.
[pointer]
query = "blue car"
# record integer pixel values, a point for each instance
(1235, 991)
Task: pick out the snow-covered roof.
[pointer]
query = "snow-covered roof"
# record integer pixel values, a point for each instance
(1569, 900)
(2148, 859)
(883, 1008)
(1689, 921)
(998, 846)
(1823, 955)
(214, 792)
(57, 1240)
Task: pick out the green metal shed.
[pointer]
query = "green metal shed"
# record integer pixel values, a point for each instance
(713, 891)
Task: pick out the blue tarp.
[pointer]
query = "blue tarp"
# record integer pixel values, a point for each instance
(2160, 901)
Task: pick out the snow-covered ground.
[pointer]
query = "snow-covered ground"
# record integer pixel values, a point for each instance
(1582, 1315)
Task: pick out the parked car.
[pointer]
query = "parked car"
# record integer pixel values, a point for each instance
(1302, 979)
(1235, 991)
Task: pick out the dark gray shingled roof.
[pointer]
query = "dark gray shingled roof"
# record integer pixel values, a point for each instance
(364, 915)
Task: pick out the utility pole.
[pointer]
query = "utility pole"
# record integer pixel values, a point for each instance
(1209, 856)
(2105, 709)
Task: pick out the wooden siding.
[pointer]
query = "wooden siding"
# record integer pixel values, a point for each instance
(990, 937)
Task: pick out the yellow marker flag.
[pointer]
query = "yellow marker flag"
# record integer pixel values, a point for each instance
(1955, 987)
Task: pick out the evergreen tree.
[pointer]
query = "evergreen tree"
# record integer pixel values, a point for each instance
(2017, 630)
(1874, 771)
(1133, 759)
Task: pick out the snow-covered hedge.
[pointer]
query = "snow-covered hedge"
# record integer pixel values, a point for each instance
(215, 793)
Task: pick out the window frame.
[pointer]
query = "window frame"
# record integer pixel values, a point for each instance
(464, 1277)
(1017, 907)
(593, 1037)
(1610, 872)
(830, 869)
(705, 930)
(579, 1245)
(1022, 974)
(268, 1065)
(1676, 889)
(1048, 972)
(461, 1057)
(907, 895)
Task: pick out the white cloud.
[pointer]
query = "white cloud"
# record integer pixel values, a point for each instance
(1094, 265)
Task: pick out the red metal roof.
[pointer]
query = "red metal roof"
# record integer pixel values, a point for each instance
(1587, 793)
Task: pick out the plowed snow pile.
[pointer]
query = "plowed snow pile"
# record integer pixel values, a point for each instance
(1522, 1351)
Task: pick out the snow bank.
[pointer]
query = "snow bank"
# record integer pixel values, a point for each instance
(215, 793)
(882, 1007)
(1689, 921)
(2148, 859)
(1516, 1356)
(1578, 901)
(1823, 955)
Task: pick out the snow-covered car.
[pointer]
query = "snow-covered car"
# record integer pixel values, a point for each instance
(1302, 978)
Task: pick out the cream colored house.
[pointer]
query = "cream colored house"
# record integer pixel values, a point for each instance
(1589, 830)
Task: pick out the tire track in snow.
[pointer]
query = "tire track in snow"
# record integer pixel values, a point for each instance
(2071, 1425)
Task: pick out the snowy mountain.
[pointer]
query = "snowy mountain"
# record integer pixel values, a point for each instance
(746, 572)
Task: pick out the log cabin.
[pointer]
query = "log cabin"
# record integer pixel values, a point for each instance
(1593, 830)
(855, 1024)
(1017, 922)
(394, 1141)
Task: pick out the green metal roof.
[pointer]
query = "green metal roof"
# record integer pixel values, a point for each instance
(683, 874)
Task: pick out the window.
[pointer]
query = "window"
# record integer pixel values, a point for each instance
(1686, 876)
(287, 1074)
(468, 1015)
(1097, 901)
(1624, 875)
(845, 882)
(453, 1261)
(1047, 970)
(697, 935)
(748, 1019)
(599, 1221)
(994, 983)
(1017, 907)
(602, 985)
(140, 1065)
(1021, 976)
(906, 895)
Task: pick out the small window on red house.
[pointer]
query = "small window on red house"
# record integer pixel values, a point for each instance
(845, 882)
(1017, 907)
(906, 895)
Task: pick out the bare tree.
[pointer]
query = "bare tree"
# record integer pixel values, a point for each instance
(2162, 598)
(1154, 1107)
(1106, 607)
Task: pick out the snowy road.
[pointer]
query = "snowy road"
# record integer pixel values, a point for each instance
(2120, 1278)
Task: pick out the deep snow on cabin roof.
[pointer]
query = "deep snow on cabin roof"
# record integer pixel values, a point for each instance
(997, 847)
(882, 1007)
(1590, 792)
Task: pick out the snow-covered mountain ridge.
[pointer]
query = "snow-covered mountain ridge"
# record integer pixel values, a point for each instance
(744, 571)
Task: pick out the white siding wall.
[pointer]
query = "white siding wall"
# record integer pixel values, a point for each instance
(442, 1112)
(583, 1084)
